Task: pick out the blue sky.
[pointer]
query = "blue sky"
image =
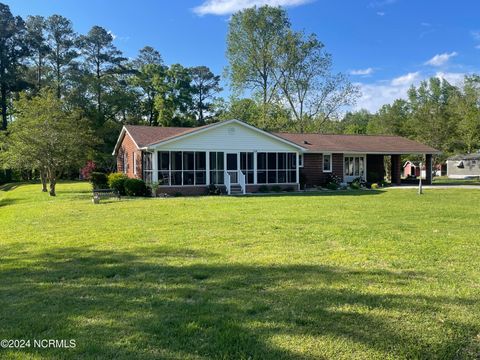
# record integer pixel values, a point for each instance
(385, 45)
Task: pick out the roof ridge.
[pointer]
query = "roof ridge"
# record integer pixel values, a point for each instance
(330, 134)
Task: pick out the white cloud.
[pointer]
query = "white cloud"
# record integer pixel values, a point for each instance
(225, 7)
(377, 94)
(380, 13)
(362, 72)
(426, 24)
(440, 59)
(452, 78)
(476, 34)
(406, 80)
(477, 46)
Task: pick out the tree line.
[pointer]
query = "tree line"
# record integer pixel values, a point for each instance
(280, 80)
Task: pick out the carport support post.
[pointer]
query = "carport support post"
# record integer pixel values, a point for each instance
(428, 169)
(396, 170)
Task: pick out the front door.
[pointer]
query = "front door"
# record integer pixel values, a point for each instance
(232, 167)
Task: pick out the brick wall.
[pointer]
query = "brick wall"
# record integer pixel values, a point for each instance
(312, 171)
(337, 165)
(128, 149)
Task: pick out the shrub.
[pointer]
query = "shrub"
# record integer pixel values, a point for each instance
(99, 180)
(154, 186)
(289, 189)
(374, 186)
(135, 187)
(332, 178)
(276, 188)
(116, 181)
(358, 183)
(213, 190)
(178, 194)
(332, 186)
(263, 189)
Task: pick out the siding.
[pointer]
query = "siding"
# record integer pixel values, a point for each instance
(229, 137)
(471, 168)
(129, 148)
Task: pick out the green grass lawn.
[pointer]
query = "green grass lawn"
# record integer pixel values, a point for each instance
(365, 275)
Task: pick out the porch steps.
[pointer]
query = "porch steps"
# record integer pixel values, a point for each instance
(236, 189)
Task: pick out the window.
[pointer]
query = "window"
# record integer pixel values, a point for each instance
(147, 167)
(216, 168)
(327, 162)
(276, 168)
(124, 162)
(354, 166)
(134, 163)
(300, 160)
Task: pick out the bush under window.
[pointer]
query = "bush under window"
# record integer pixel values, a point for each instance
(135, 187)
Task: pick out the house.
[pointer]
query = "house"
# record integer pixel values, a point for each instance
(463, 166)
(241, 158)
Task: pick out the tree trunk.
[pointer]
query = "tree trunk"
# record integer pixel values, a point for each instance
(52, 178)
(43, 178)
(53, 182)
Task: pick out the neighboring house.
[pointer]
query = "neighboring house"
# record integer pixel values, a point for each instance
(242, 158)
(412, 169)
(463, 166)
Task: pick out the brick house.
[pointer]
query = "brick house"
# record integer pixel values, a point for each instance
(240, 157)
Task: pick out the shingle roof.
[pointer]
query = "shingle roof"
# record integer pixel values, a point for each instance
(148, 135)
(358, 143)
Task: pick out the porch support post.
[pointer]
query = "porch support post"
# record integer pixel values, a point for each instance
(297, 180)
(428, 169)
(155, 166)
(207, 167)
(396, 170)
(255, 167)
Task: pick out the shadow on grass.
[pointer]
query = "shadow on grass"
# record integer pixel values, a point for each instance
(321, 193)
(9, 186)
(123, 306)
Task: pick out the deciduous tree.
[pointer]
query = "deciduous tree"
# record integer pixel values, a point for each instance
(47, 137)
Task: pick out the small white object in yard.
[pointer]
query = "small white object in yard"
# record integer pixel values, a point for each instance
(96, 199)
(420, 186)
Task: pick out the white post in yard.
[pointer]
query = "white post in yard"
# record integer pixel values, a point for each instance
(420, 186)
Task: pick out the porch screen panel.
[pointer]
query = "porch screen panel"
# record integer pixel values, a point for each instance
(164, 168)
(246, 166)
(276, 168)
(216, 167)
(177, 167)
(292, 167)
(200, 168)
(188, 168)
(261, 168)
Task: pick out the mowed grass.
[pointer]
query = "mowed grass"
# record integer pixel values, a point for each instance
(365, 275)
